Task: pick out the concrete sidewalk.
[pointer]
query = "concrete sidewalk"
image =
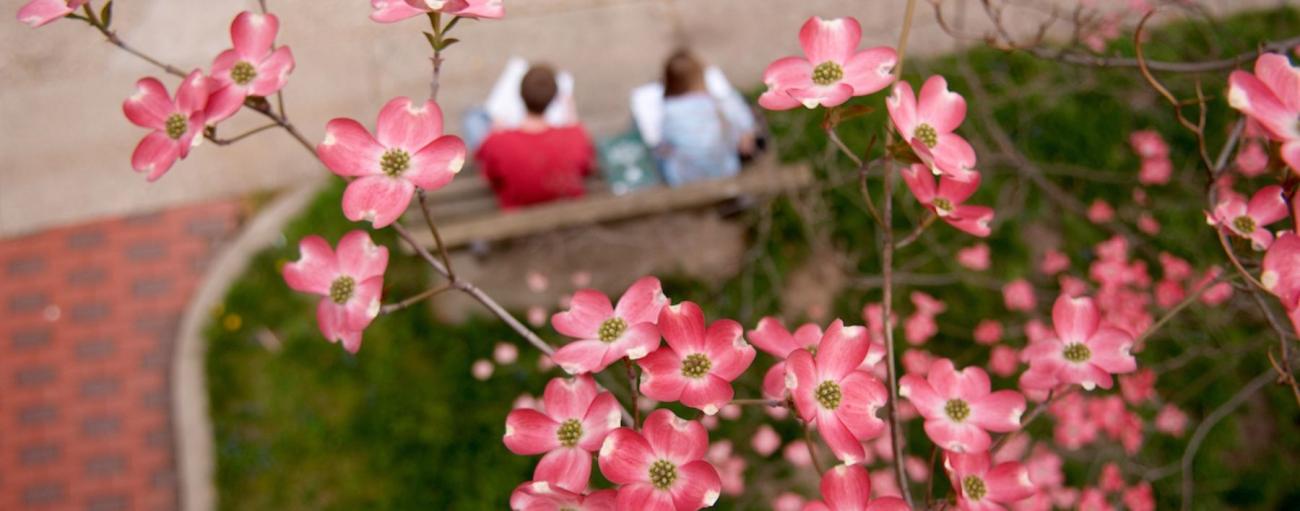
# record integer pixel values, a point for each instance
(67, 145)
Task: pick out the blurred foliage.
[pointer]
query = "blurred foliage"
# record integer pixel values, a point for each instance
(300, 424)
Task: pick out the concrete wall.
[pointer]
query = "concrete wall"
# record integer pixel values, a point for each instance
(67, 146)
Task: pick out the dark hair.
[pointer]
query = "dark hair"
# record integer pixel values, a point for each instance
(683, 73)
(538, 89)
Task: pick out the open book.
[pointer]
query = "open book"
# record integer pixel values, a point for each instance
(647, 103)
(506, 108)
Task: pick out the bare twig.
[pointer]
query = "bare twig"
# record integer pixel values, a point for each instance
(412, 300)
(227, 141)
(1220, 413)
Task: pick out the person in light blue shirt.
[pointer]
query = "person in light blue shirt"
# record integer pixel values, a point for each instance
(703, 134)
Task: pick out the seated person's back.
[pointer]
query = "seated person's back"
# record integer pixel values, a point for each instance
(701, 134)
(536, 162)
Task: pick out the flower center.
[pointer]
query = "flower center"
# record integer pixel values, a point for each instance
(612, 329)
(975, 488)
(243, 72)
(177, 125)
(812, 350)
(394, 162)
(341, 289)
(1244, 224)
(828, 394)
(827, 73)
(663, 474)
(957, 410)
(1077, 352)
(569, 433)
(696, 365)
(927, 134)
(942, 204)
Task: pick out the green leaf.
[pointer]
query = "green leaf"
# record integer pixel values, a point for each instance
(447, 42)
(433, 40)
(106, 14)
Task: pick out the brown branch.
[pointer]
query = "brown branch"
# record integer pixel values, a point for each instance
(1223, 411)
(428, 293)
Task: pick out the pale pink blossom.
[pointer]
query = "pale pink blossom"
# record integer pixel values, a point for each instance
(254, 67)
(1111, 480)
(36, 13)
(1140, 497)
(1093, 499)
(1100, 212)
(1281, 274)
(765, 441)
(573, 423)
(731, 468)
(982, 486)
(988, 332)
(482, 369)
(1054, 261)
(349, 282)
(788, 501)
(1155, 171)
(831, 392)
(1148, 224)
(1171, 420)
(1252, 156)
(975, 257)
(536, 281)
(661, 468)
(947, 199)
(960, 407)
(1217, 293)
(1018, 295)
(1148, 144)
(1271, 96)
(1004, 361)
(920, 326)
(408, 151)
(698, 364)
(798, 453)
(928, 122)
(848, 488)
(606, 333)
(543, 496)
(831, 70)
(1083, 351)
(1249, 219)
(505, 353)
(177, 123)
(389, 11)
(1138, 387)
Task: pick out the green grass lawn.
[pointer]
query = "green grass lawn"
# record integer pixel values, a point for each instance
(404, 425)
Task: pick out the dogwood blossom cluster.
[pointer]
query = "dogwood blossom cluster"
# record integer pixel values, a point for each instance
(254, 68)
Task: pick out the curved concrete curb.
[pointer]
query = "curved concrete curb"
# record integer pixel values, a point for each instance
(193, 427)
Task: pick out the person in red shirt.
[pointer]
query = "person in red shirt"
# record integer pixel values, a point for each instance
(536, 162)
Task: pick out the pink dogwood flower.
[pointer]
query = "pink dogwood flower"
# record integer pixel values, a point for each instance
(1018, 295)
(1083, 351)
(542, 496)
(251, 68)
(576, 417)
(831, 71)
(177, 123)
(389, 11)
(37, 13)
(1271, 96)
(607, 333)
(698, 364)
(975, 257)
(831, 392)
(407, 151)
(848, 488)
(350, 280)
(1248, 219)
(662, 468)
(772, 337)
(982, 486)
(947, 200)
(1281, 275)
(927, 123)
(960, 407)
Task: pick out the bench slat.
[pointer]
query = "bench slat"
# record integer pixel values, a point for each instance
(604, 207)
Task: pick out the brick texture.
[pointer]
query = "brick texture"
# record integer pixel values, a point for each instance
(90, 317)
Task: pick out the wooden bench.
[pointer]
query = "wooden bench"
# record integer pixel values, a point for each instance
(466, 210)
